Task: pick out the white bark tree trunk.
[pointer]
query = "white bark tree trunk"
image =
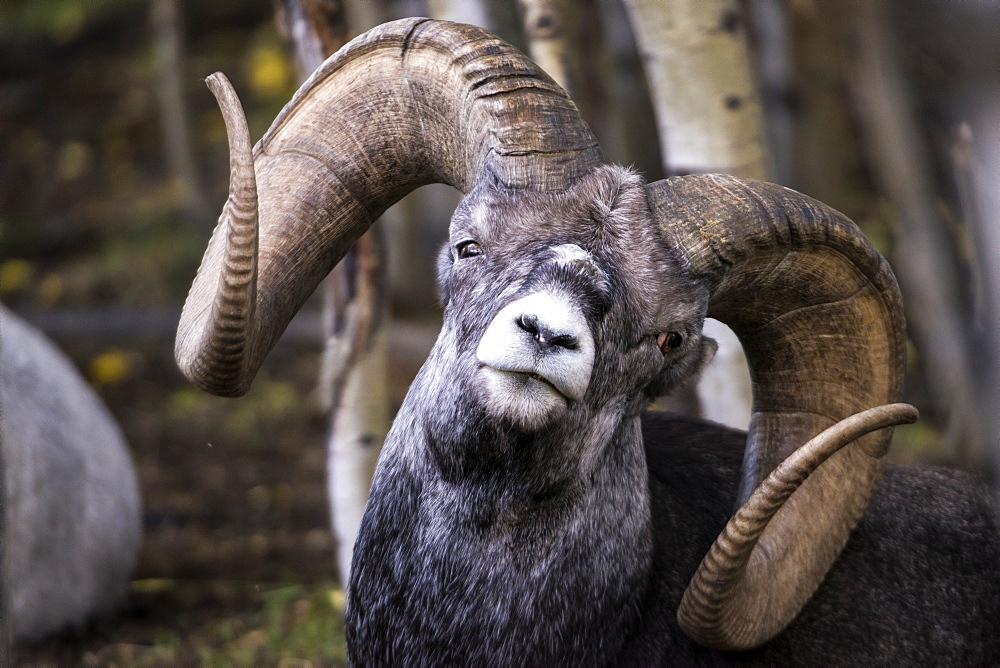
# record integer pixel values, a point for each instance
(709, 118)
(707, 107)
(165, 17)
(358, 431)
(547, 25)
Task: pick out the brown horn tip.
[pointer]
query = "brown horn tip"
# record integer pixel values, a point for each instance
(218, 313)
(713, 610)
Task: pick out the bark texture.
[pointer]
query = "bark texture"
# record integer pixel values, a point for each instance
(707, 107)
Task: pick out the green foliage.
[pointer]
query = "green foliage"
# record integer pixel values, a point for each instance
(293, 625)
(252, 422)
(61, 21)
(305, 622)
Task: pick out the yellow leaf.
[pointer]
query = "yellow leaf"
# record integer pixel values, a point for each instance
(270, 72)
(337, 598)
(109, 367)
(50, 289)
(14, 275)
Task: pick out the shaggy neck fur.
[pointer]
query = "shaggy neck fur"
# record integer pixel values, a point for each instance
(482, 544)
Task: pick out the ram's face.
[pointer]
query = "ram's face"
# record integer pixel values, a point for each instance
(565, 303)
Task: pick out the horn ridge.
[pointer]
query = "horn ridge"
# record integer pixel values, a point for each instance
(711, 610)
(210, 346)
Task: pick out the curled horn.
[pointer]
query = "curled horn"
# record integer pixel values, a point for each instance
(409, 103)
(819, 315)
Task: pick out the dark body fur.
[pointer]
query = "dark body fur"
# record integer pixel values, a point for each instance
(928, 542)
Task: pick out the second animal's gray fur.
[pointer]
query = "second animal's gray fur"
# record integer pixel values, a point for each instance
(72, 506)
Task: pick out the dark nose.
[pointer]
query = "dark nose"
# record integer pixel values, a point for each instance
(544, 335)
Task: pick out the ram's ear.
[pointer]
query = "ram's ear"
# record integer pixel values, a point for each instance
(706, 353)
(681, 373)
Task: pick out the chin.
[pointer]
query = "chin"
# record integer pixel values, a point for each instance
(528, 402)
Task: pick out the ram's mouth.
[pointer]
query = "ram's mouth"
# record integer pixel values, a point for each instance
(523, 376)
(527, 398)
(545, 381)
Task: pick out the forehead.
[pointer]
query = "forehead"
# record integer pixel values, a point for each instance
(600, 215)
(603, 218)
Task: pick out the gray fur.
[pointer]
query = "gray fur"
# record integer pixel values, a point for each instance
(568, 538)
(72, 502)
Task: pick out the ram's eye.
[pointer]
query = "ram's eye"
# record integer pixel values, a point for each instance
(668, 341)
(468, 249)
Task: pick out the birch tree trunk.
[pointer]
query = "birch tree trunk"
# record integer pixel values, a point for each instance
(548, 26)
(473, 12)
(165, 17)
(354, 372)
(709, 119)
(707, 106)
(355, 379)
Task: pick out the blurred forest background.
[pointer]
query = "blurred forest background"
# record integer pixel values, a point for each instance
(113, 168)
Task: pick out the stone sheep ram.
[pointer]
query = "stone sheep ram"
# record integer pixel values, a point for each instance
(525, 508)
